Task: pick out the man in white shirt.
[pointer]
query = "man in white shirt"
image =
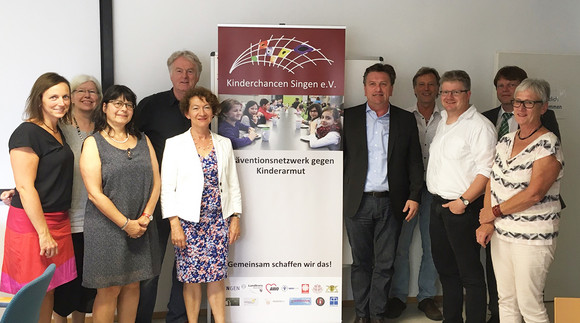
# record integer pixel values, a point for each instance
(460, 159)
(427, 114)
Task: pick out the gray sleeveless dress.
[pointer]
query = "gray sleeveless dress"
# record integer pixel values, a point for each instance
(112, 258)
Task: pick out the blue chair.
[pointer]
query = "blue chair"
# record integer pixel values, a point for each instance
(25, 306)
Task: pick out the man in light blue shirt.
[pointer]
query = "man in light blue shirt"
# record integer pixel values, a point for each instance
(383, 177)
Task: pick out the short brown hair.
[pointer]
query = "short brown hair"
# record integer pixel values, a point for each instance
(425, 71)
(203, 93)
(383, 68)
(457, 76)
(510, 73)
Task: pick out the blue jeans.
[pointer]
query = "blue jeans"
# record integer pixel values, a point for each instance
(372, 232)
(427, 271)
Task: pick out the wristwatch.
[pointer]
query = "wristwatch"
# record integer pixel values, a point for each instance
(464, 200)
(149, 216)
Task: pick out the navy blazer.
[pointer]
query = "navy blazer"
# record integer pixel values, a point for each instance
(405, 164)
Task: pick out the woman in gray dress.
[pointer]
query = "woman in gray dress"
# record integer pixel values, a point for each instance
(121, 174)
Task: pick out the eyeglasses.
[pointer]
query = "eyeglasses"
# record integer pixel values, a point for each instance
(83, 92)
(528, 104)
(120, 104)
(452, 93)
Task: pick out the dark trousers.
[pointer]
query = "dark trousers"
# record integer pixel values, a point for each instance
(493, 305)
(148, 288)
(373, 233)
(456, 257)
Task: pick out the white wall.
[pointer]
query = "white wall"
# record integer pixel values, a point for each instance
(445, 34)
(38, 36)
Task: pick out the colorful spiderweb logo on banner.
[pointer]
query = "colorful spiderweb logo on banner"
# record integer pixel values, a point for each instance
(286, 53)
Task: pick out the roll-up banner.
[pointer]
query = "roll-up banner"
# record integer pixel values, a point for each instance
(287, 265)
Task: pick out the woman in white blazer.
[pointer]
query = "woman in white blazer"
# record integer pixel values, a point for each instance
(200, 195)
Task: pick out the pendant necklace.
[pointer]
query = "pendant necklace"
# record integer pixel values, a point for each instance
(53, 131)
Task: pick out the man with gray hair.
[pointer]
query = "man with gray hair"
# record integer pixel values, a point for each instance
(460, 159)
(159, 117)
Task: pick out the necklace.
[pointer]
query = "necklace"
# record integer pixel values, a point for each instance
(528, 136)
(79, 132)
(202, 147)
(117, 141)
(53, 131)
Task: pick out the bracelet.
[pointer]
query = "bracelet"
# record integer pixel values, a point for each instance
(235, 214)
(496, 211)
(149, 216)
(125, 225)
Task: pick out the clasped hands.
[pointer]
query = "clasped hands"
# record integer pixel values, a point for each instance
(484, 232)
(136, 228)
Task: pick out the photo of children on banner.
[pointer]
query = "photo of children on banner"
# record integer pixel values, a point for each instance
(314, 111)
(251, 116)
(325, 131)
(230, 126)
(241, 120)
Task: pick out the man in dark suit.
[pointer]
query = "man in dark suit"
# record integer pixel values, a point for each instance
(506, 80)
(383, 177)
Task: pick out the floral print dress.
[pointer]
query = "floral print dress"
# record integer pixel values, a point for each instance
(204, 257)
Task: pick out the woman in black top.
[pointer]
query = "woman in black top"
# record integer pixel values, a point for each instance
(38, 228)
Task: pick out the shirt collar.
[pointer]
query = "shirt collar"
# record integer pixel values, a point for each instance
(502, 111)
(468, 114)
(374, 114)
(172, 99)
(415, 109)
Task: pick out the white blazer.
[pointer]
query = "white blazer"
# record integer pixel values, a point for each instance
(182, 178)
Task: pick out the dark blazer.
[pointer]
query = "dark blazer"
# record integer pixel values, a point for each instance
(405, 165)
(548, 120)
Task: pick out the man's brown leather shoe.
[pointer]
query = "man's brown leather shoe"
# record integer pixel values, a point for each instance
(430, 309)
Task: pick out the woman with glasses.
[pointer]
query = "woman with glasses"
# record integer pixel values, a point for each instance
(521, 211)
(121, 174)
(76, 127)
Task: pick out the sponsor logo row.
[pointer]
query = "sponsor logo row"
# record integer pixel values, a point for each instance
(331, 301)
(272, 288)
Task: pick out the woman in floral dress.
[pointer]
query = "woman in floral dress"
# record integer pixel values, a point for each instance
(199, 165)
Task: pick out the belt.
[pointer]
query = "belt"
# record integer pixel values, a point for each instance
(441, 199)
(377, 194)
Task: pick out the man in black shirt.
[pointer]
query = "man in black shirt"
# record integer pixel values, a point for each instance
(159, 117)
